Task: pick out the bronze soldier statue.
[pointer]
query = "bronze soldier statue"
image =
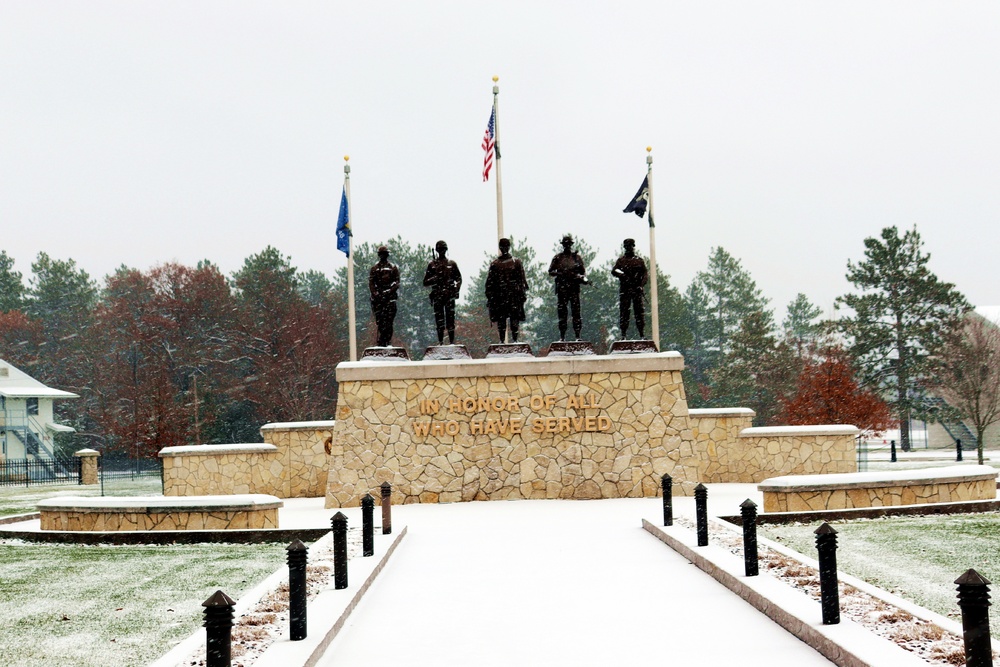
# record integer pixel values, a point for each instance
(445, 280)
(630, 270)
(568, 270)
(383, 283)
(506, 291)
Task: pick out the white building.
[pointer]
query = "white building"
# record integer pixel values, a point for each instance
(26, 424)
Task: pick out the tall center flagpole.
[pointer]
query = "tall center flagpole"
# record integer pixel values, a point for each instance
(352, 333)
(496, 155)
(652, 249)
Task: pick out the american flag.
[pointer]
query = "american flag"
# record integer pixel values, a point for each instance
(489, 143)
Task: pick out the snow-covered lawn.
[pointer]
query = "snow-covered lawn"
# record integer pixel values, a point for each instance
(94, 606)
(21, 499)
(917, 558)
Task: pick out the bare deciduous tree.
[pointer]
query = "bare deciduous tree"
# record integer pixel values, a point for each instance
(967, 374)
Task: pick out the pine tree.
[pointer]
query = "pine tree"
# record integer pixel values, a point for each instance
(801, 328)
(900, 315)
(11, 285)
(757, 372)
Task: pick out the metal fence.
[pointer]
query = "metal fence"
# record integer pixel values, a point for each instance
(113, 467)
(25, 472)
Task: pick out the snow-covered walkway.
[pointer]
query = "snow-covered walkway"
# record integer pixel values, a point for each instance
(553, 583)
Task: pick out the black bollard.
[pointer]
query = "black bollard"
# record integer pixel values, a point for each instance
(974, 600)
(958, 449)
(386, 508)
(667, 483)
(748, 510)
(826, 545)
(339, 523)
(892, 451)
(297, 557)
(701, 512)
(218, 630)
(367, 525)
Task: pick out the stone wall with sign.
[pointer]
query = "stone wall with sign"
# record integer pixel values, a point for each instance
(569, 427)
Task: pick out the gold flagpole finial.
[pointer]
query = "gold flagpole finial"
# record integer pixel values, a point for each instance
(495, 78)
(347, 165)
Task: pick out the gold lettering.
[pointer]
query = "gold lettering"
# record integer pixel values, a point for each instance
(491, 426)
(578, 423)
(502, 426)
(537, 425)
(537, 403)
(516, 425)
(454, 405)
(437, 428)
(469, 405)
(550, 401)
(593, 401)
(604, 423)
(550, 424)
(512, 403)
(430, 407)
(451, 427)
(591, 424)
(421, 428)
(564, 424)
(572, 402)
(476, 427)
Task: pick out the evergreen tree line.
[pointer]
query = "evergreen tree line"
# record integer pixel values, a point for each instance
(176, 354)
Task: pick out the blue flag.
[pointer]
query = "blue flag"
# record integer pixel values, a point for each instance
(344, 227)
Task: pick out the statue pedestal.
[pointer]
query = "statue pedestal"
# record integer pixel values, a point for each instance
(574, 348)
(446, 352)
(509, 350)
(633, 347)
(385, 354)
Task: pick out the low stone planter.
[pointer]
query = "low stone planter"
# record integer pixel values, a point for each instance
(802, 493)
(75, 513)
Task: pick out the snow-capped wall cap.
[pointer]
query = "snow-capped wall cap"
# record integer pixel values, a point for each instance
(291, 426)
(86, 452)
(847, 480)
(821, 429)
(722, 412)
(218, 450)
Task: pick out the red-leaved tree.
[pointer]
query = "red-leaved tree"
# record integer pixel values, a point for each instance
(828, 393)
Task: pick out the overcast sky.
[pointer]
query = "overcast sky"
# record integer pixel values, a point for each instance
(784, 131)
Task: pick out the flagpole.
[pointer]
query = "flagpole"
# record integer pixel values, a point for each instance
(352, 333)
(654, 296)
(496, 154)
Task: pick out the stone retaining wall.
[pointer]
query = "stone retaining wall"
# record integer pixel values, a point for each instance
(569, 427)
(716, 431)
(762, 452)
(303, 451)
(829, 492)
(138, 513)
(209, 470)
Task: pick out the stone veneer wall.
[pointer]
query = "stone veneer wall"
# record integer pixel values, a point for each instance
(108, 513)
(213, 470)
(188, 520)
(715, 431)
(610, 427)
(940, 485)
(302, 449)
(763, 452)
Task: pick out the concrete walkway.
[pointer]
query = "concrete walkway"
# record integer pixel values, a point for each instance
(554, 583)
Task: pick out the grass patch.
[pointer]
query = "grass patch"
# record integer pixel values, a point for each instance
(21, 499)
(917, 558)
(99, 605)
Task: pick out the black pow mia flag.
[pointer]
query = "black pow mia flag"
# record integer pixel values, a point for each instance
(640, 201)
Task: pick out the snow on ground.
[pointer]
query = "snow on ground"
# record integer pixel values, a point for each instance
(554, 582)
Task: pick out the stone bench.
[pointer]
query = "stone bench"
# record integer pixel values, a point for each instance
(804, 493)
(76, 513)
